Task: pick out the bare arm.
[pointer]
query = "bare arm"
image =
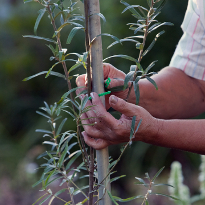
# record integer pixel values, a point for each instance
(178, 97)
(187, 135)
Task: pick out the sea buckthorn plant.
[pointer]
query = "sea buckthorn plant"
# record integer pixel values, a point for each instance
(61, 161)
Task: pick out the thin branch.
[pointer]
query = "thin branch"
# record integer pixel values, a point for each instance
(141, 51)
(60, 49)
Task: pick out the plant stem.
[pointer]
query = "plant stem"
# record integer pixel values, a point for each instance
(141, 51)
(66, 74)
(60, 49)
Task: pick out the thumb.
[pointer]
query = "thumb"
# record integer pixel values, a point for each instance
(122, 106)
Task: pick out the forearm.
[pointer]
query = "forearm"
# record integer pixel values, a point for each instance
(186, 135)
(178, 96)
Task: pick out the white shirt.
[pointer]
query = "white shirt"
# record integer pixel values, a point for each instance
(189, 55)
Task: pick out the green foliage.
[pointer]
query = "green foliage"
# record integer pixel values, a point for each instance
(146, 23)
(181, 191)
(60, 159)
(202, 176)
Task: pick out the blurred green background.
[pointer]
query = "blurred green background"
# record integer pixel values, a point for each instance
(21, 57)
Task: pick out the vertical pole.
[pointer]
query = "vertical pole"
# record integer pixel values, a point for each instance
(98, 87)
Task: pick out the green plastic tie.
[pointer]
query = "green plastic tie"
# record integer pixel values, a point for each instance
(107, 82)
(101, 94)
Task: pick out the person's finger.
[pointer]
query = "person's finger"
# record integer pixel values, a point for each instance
(122, 106)
(112, 72)
(95, 143)
(80, 81)
(87, 126)
(90, 114)
(100, 111)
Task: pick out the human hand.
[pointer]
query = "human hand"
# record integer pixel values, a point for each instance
(117, 79)
(107, 130)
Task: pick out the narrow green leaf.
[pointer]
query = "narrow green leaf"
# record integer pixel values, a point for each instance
(140, 28)
(60, 127)
(141, 180)
(49, 71)
(83, 102)
(72, 34)
(137, 91)
(128, 77)
(146, 202)
(134, 12)
(60, 162)
(121, 56)
(116, 178)
(163, 185)
(147, 176)
(66, 137)
(132, 132)
(50, 143)
(122, 40)
(152, 81)
(152, 28)
(45, 153)
(157, 174)
(150, 66)
(101, 16)
(52, 49)
(49, 176)
(72, 90)
(138, 125)
(45, 199)
(37, 183)
(71, 114)
(46, 193)
(128, 199)
(72, 160)
(159, 194)
(111, 197)
(44, 72)
(107, 34)
(152, 44)
(27, 1)
(134, 6)
(41, 38)
(60, 28)
(41, 13)
(139, 66)
(61, 56)
(74, 67)
(44, 131)
(77, 191)
(60, 192)
(40, 113)
(160, 6)
(71, 146)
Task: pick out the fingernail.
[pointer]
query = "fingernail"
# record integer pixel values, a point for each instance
(113, 99)
(92, 95)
